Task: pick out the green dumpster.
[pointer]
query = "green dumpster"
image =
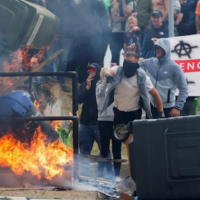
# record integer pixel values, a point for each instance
(25, 24)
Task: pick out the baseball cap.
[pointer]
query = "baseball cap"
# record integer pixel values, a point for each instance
(157, 13)
(93, 66)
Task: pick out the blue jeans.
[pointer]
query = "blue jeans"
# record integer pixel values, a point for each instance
(87, 136)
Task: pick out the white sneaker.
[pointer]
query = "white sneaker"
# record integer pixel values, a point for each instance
(117, 179)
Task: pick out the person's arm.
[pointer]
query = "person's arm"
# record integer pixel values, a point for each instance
(108, 71)
(158, 101)
(82, 93)
(183, 92)
(143, 64)
(144, 46)
(125, 47)
(197, 18)
(126, 10)
(179, 18)
(84, 90)
(165, 14)
(101, 87)
(105, 22)
(115, 17)
(197, 22)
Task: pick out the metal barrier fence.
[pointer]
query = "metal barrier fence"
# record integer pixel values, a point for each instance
(74, 118)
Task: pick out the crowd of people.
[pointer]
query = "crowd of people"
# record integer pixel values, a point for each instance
(86, 25)
(114, 95)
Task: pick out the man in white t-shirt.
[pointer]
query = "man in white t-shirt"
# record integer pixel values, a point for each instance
(127, 93)
(128, 85)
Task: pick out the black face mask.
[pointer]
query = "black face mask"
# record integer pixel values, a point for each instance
(130, 68)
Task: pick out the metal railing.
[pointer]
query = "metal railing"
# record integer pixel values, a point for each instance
(74, 118)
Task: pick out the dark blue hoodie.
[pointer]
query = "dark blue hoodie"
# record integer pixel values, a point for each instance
(148, 45)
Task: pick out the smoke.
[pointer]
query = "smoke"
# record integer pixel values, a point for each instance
(87, 178)
(10, 179)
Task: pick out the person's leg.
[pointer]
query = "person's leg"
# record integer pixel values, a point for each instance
(95, 135)
(83, 55)
(85, 139)
(66, 44)
(154, 112)
(116, 150)
(103, 127)
(109, 165)
(142, 34)
(109, 168)
(117, 42)
(127, 142)
(95, 49)
(85, 145)
(131, 116)
(123, 118)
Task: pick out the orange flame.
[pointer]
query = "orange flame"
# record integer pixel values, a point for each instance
(56, 125)
(19, 61)
(37, 157)
(36, 104)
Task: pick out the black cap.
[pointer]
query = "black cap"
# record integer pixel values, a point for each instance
(157, 13)
(94, 66)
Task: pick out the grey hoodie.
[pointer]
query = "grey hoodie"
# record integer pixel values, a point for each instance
(108, 114)
(166, 76)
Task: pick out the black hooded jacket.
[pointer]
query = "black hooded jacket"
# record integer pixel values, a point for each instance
(148, 45)
(89, 114)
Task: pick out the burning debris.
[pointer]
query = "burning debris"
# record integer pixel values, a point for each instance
(30, 146)
(37, 156)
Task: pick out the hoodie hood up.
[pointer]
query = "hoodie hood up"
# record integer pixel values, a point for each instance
(98, 68)
(164, 44)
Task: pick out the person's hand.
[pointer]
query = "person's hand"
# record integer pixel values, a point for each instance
(113, 64)
(130, 137)
(136, 28)
(175, 112)
(132, 48)
(177, 22)
(109, 78)
(88, 81)
(154, 40)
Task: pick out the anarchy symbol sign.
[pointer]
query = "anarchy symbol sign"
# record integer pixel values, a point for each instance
(183, 49)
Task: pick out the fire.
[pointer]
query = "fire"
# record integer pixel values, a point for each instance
(56, 125)
(37, 157)
(36, 104)
(19, 61)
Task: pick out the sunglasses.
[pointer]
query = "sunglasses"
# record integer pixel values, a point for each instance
(92, 70)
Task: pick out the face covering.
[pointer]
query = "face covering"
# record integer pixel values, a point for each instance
(130, 68)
